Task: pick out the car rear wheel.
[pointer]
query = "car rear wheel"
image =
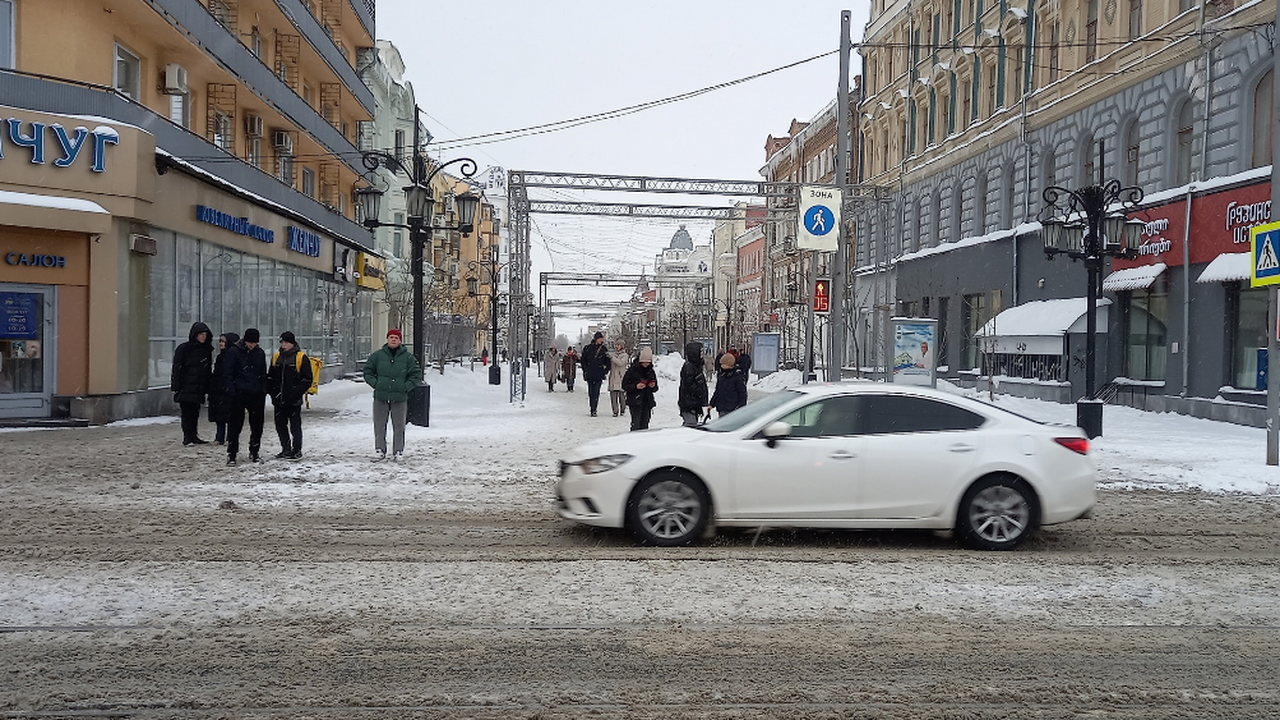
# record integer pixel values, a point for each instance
(668, 509)
(997, 513)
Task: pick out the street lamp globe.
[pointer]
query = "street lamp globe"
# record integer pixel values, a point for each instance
(467, 203)
(369, 201)
(473, 286)
(418, 202)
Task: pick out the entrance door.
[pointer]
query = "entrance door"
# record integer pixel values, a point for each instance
(27, 335)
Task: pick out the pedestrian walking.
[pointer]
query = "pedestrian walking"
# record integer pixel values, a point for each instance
(569, 367)
(595, 368)
(190, 378)
(641, 384)
(249, 396)
(392, 371)
(693, 385)
(617, 368)
(219, 399)
(551, 367)
(221, 390)
(731, 386)
(287, 382)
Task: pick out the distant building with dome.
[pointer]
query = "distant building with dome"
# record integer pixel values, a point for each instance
(684, 301)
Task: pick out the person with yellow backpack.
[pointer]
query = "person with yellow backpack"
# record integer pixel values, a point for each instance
(289, 380)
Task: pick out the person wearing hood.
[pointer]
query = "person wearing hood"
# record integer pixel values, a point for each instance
(617, 368)
(731, 386)
(551, 367)
(595, 368)
(392, 372)
(287, 381)
(693, 385)
(249, 387)
(221, 391)
(641, 384)
(190, 379)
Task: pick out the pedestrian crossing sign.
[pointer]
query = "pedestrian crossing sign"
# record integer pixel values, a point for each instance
(1264, 242)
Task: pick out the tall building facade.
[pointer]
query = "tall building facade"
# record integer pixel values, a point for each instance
(169, 162)
(972, 109)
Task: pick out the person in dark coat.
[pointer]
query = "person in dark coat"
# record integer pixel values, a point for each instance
(731, 386)
(219, 410)
(287, 382)
(595, 368)
(693, 385)
(569, 367)
(190, 379)
(247, 375)
(221, 392)
(641, 384)
(392, 371)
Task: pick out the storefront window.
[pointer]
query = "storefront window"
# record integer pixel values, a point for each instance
(1249, 334)
(975, 316)
(1145, 314)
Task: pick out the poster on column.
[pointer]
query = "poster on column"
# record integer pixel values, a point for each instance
(914, 351)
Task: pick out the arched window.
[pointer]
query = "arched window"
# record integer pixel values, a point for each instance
(1088, 161)
(957, 212)
(980, 203)
(1132, 153)
(1049, 168)
(1263, 107)
(935, 219)
(1183, 141)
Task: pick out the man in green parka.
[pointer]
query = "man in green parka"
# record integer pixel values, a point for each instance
(392, 372)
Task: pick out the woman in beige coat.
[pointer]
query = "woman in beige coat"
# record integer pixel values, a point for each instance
(617, 368)
(551, 367)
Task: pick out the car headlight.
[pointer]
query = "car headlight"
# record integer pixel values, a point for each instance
(602, 463)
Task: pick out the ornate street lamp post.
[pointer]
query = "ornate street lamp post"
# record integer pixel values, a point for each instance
(1090, 224)
(493, 268)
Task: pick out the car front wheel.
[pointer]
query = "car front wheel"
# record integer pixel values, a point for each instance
(997, 513)
(668, 509)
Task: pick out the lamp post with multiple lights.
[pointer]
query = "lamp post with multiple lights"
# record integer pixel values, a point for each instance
(493, 268)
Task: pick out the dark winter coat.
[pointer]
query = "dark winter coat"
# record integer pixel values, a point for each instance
(286, 385)
(193, 367)
(569, 366)
(392, 373)
(251, 374)
(731, 390)
(693, 381)
(637, 397)
(222, 391)
(595, 362)
(744, 361)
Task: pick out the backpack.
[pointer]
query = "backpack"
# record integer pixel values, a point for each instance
(316, 364)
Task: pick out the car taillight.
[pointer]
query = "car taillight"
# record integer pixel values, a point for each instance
(1074, 444)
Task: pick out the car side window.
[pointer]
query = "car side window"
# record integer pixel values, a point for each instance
(904, 414)
(825, 418)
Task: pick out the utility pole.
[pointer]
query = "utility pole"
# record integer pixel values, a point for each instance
(839, 279)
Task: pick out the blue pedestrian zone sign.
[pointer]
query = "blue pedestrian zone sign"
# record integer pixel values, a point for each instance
(1264, 241)
(819, 218)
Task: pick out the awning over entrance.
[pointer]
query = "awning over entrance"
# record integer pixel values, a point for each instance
(50, 212)
(1138, 278)
(1227, 267)
(1038, 328)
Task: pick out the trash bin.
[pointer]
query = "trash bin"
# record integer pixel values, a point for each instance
(420, 405)
(495, 374)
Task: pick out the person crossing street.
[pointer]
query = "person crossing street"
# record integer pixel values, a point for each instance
(595, 368)
(392, 371)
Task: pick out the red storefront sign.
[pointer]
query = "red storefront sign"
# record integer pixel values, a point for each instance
(1220, 224)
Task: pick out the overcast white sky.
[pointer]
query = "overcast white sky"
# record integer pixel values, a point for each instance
(494, 65)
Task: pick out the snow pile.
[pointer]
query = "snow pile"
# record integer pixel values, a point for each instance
(780, 380)
(667, 367)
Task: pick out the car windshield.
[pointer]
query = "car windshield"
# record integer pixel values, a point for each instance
(751, 412)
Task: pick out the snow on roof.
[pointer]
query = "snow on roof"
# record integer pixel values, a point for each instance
(1226, 268)
(1133, 278)
(1038, 318)
(56, 202)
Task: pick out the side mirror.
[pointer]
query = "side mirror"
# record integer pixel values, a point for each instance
(775, 431)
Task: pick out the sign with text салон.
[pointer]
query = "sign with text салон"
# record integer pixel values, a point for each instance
(819, 218)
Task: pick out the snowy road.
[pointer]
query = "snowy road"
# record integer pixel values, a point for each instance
(142, 579)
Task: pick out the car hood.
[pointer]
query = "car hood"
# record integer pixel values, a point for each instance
(633, 443)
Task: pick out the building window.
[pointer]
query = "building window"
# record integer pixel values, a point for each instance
(1144, 315)
(180, 110)
(991, 90)
(400, 145)
(975, 316)
(1132, 154)
(222, 134)
(398, 238)
(253, 151)
(1049, 169)
(127, 73)
(1263, 110)
(1184, 138)
(1135, 19)
(308, 182)
(1055, 42)
(1247, 321)
(255, 42)
(7, 59)
(1087, 166)
(1091, 33)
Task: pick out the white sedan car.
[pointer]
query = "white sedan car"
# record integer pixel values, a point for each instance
(847, 455)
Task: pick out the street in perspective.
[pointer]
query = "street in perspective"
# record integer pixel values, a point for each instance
(836, 359)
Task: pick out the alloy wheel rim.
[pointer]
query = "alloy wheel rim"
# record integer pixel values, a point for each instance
(999, 514)
(669, 509)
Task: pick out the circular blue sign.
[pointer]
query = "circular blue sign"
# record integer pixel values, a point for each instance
(819, 220)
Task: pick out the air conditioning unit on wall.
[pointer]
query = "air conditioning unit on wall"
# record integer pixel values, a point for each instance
(175, 79)
(253, 125)
(282, 140)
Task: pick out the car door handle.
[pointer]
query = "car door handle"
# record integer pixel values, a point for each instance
(842, 455)
(961, 447)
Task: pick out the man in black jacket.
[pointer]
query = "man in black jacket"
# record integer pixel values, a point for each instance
(693, 385)
(189, 381)
(245, 377)
(287, 382)
(595, 368)
(641, 384)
